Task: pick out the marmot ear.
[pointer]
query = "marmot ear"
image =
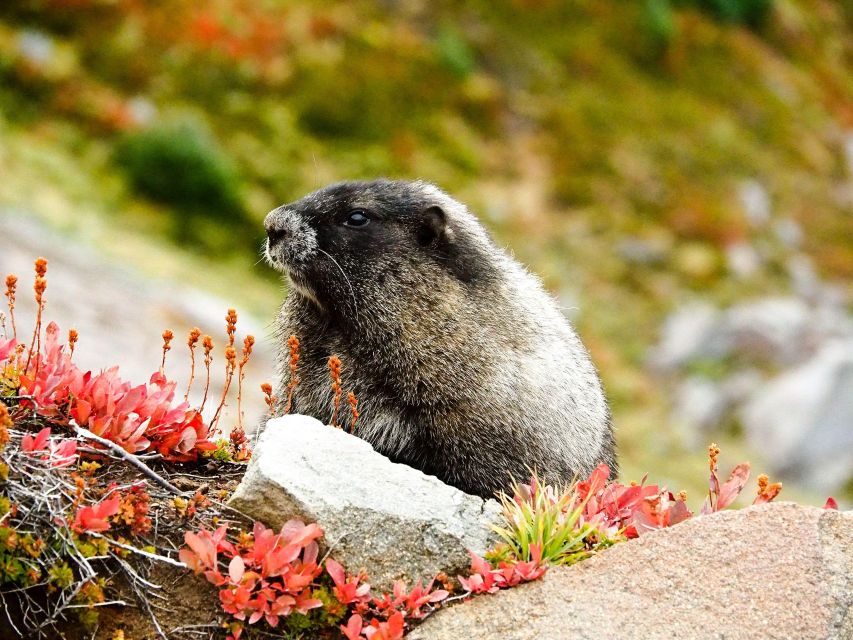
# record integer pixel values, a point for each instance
(433, 225)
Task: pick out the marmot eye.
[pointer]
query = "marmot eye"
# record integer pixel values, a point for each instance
(357, 218)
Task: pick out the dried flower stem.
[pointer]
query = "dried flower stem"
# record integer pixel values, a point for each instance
(192, 340)
(72, 340)
(293, 345)
(230, 365)
(207, 343)
(337, 389)
(248, 343)
(353, 405)
(11, 285)
(167, 340)
(39, 287)
(269, 398)
(231, 326)
(714, 484)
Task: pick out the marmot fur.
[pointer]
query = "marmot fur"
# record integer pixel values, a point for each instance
(462, 365)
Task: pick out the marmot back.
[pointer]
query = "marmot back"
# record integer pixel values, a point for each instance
(463, 365)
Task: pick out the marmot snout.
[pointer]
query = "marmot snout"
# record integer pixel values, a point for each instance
(463, 366)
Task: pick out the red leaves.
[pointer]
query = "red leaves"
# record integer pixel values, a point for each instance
(136, 418)
(721, 496)
(352, 631)
(347, 588)
(268, 577)
(629, 510)
(484, 579)
(94, 519)
(392, 629)
(408, 603)
(30, 444)
(7, 349)
(56, 452)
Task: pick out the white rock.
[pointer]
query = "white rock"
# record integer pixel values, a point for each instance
(771, 329)
(686, 333)
(756, 202)
(391, 520)
(742, 259)
(803, 420)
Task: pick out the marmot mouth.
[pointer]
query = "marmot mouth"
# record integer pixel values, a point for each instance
(301, 285)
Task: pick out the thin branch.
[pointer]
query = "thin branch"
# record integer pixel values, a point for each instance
(129, 457)
(108, 603)
(141, 552)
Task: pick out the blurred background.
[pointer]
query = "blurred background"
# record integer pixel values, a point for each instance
(679, 172)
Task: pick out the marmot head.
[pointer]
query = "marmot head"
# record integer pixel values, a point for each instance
(353, 239)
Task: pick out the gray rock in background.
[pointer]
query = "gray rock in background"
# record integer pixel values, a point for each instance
(777, 571)
(768, 329)
(755, 201)
(803, 419)
(781, 366)
(687, 333)
(388, 519)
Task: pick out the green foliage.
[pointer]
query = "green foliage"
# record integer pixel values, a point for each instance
(752, 13)
(183, 166)
(60, 575)
(550, 519)
(454, 51)
(658, 20)
(223, 453)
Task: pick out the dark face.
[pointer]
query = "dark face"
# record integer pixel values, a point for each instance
(341, 241)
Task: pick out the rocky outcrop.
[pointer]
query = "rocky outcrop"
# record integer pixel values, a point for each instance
(391, 520)
(780, 367)
(774, 571)
(804, 418)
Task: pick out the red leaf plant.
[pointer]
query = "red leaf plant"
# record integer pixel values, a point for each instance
(631, 510)
(7, 348)
(483, 578)
(271, 575)
(57, 452)
(268, 577)
(94, 518)
(137, 418)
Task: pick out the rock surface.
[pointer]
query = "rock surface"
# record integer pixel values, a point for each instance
(388, 519)
(774, 571)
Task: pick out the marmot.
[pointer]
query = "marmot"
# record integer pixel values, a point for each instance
(463, 366)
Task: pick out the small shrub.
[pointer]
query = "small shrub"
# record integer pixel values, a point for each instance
(182, 165)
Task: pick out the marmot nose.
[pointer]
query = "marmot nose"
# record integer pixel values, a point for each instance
(275, 235)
